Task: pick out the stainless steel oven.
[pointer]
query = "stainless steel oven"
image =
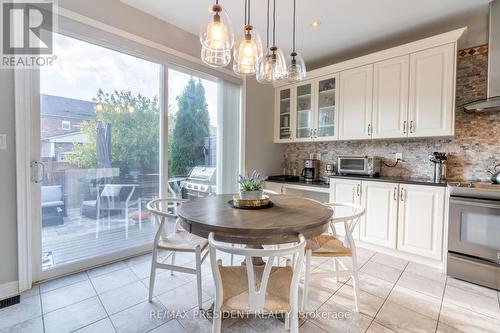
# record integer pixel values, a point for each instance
(474, 234)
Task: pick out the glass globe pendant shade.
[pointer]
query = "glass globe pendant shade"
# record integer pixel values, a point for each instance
(272, 67)
(215, 32)
(215, 58)
(296, 69)
(247, 52)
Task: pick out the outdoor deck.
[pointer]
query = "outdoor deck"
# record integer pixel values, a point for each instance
(76, 238)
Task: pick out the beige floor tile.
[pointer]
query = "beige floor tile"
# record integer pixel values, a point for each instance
(389, 261)
(426, 272)
(426, 305)
(334, 318)
(381, 271)
(484, 303)
(423, 285)
(240, 327)
(27, 309)
(458, 319)
(63, 282)
(113, 280)
(182, 298)
(196, 321)
(369, 304)
(34, 291)
(119, 299)
(401, 319)
(95, 272)
(471, 288)
(309, 327)
(172, 326)
(165, 282)
(102, 326)
(142, 317)
(74, 316)
(62, 297)
(377, 328)
(270, 325)
(373, 285)
(317, 297)
(321, 279)
(34, 325)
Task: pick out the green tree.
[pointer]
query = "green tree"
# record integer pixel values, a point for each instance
(191, 128)
(135, 132)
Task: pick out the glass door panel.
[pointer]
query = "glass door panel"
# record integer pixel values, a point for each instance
(285, 102)
(326, 108)
(304, 112)
(99, 145)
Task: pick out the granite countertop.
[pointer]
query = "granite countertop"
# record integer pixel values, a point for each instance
(399, 180)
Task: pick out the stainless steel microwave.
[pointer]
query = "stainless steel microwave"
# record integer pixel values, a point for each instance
(358, 165)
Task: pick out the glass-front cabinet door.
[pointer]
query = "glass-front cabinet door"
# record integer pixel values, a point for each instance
(304, 114)
(326, 119)
(284, 121)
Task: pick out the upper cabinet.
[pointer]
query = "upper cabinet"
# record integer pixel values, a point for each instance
(432, 92)
(390, 97)
(355, 109)
(406, 91)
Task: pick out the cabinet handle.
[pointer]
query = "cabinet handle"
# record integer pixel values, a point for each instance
(315, 131)
(402, 194)
(404, 127)
(411, 126)
(358, 190)
(395, 194)
(311, 133)
(369, 129)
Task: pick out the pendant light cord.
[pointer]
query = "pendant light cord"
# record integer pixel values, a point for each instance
(267, 25)
(274, 22)
(246, 11)
(294, 19)
(249, 7)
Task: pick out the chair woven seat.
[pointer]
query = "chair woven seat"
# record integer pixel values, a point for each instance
(183, 241)
(328, 246)
(235, 289)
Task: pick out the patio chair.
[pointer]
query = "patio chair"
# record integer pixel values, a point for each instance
(116, 198)
(53, 205)
(260, 290)
(178, 241)
(329, 245)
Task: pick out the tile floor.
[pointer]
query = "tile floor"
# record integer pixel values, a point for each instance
(396, 296)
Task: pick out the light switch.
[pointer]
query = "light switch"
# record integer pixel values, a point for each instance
(3, 141)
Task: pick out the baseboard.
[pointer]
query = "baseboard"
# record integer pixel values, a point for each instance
(9, 289)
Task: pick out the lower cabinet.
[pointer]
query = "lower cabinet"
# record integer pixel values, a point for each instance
(421, 220)
(379, 224)
(348, 191)
(408, 218)
(276, 187)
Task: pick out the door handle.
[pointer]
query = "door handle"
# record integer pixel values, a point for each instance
(37, 171)
(404, 126)
(395, 194)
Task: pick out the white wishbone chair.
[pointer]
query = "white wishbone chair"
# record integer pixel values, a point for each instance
(178, 241)
(329, 245)
(248, 289)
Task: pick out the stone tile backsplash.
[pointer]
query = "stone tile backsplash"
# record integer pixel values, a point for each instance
(474, 148)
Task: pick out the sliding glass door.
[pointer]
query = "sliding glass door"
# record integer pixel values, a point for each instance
(99, 155)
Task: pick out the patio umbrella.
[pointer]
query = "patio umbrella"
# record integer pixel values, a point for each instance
(103, 151)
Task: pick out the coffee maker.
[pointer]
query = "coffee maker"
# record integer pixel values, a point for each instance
(311, 170)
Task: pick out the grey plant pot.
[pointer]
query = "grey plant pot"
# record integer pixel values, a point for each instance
(251, 195)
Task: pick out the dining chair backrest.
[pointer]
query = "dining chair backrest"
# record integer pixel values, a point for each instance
(257, 289)
(163, 209)
(350, 217)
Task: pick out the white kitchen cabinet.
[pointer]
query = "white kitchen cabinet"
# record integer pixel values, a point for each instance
(325, 110)
(345, 191)
(356, 103)
(379, 224)
(304, 111)
(432, 92)
(390, 97)
(421, 220)
(284, 120)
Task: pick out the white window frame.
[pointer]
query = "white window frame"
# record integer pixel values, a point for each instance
(68, 125)
(27, 100)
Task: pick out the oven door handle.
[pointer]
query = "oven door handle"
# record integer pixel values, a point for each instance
(475, 203)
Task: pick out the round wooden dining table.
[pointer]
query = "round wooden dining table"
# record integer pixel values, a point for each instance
(289, 216)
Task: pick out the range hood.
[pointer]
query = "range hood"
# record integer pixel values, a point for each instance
(492, 102)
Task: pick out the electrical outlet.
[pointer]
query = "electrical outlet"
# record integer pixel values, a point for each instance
(3, 141)
(398, 156)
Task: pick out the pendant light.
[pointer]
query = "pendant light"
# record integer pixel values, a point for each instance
(248, 49)
(272, 66)
(296, 68)
(216, 37)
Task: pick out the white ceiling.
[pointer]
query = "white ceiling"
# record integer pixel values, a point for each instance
(346, 25)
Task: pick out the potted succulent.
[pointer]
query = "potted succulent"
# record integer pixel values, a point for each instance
(251, 186)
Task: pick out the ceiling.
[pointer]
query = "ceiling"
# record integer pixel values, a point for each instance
(346, 25)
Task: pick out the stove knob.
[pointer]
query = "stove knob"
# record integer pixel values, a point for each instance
(189, 185)
(203, 188)
(195, 187)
